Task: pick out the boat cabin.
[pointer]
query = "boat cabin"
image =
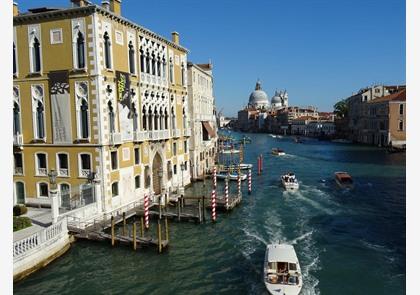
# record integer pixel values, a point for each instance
(344, 178)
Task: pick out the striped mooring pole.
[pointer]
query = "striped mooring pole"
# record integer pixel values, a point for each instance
(146, 210)
(249, 181)
(261, 163)
(227, 192)
(213, 205)
(214, 177)
(239, 184)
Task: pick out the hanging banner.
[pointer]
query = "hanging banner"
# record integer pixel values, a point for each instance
(60, 106)
(125, 106)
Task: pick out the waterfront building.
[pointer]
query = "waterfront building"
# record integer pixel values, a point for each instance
(385, 120)
(201, 104)
(358, 109)
(97, 97)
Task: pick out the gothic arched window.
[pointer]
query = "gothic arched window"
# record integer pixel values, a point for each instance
(40, 120)
(36, 55)
(14, 59)
(107, 49)
(153, 64)
(142, 60)
(131, 57)
(111, 117)
(144, 119)
(158, 66)
(84, 119)
(135, 116)
(147, 63)
(80, 43)
(16, 118)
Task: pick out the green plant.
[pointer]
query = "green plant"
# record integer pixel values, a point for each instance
(19, 210)
(21, 223)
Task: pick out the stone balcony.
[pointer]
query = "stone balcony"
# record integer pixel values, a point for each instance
(176, 132)
(18, 140)
(140, 136)
(115, 138)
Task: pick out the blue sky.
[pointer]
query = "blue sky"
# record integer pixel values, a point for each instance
(319, 50)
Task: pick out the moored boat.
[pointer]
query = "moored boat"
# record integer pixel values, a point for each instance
(343, 179)
(282, 272)
(277, 152)
(230, 151)
(232, 176)
(290, 182)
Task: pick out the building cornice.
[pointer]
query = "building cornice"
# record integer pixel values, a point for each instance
(86, 10)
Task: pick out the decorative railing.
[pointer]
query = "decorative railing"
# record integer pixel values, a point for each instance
(42, 171)
(84, 172)
(63, 172)
(115, 138)
(18, 170)
(187, 132)
(176, 133)
(18, 139)
(140, 136)
(36, 241)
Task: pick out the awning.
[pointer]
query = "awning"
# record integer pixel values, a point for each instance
(209, 129)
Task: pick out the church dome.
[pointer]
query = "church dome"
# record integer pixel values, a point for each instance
(276, 98)
(258, 97)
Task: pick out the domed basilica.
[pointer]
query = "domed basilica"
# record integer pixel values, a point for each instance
(259, 99)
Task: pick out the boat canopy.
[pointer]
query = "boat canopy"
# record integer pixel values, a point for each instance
(282, 253)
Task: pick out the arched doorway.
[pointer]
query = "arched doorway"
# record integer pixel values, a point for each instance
(157, 165)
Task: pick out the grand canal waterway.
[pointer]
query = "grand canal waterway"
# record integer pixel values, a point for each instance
(348, 242)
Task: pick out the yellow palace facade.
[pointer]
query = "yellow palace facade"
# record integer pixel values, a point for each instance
(97, 97)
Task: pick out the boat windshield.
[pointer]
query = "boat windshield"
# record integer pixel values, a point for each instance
(346, 180)
(293, 280)
(292, 266)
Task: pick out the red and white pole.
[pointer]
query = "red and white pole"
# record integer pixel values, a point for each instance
(261, 162)
(214, 177)
(213, 205)
(227, 192)
(259, 165)
(146, 210)
(239, 184)
(249, 182)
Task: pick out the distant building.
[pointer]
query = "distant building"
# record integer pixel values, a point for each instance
(203, 139)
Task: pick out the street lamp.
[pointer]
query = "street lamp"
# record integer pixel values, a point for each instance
(52, 176)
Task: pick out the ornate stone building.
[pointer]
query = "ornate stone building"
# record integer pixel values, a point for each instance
(97, 97)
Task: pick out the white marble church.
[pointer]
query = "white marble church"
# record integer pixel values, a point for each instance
(259, 99)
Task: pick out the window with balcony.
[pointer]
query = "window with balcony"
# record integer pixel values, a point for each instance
(18, 163)
(147, 62)
(41, 164)
(16, 119)
(163, 67)
(114, 160)
(80, 51)
(63, 164)
(135, 117)
(153, 64)
(114, 189)
(158, 65)
(171, 71)
(107, 51)
(137, 156)
(84, 165)
(137, 182)
(131, 58)
(43, 190)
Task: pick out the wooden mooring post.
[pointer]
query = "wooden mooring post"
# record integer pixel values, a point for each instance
(179, 209)
(160, 207)
(112, 231)
(199, 212)
(141, 227)
(124, 223)
(159, 237)
(134, 236)
(166, 229)
(203, 209)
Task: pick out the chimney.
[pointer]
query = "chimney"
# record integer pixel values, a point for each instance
(115, 6)
(79, 3)
(105, 4)
(175, 38)
(15, 9)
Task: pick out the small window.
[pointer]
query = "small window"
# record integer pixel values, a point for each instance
(114, 160)
(185, 146)
(63, 163)
(175, 169)
(18, 163)
(400, 125)
(85, 166)
(119, 38)
(43, 190)
(114, 189)
(137, 156)
(137, 181)
(401, 109)
(174, 149)
(42, 161)
(56, 36)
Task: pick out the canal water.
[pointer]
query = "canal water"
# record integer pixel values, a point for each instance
(347, 241)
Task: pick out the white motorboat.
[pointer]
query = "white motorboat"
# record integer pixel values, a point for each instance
(341, 141)
(244, 166)
(232, 176)
(282, 274)
(290, 182)
(277, 152)
(230, 151)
